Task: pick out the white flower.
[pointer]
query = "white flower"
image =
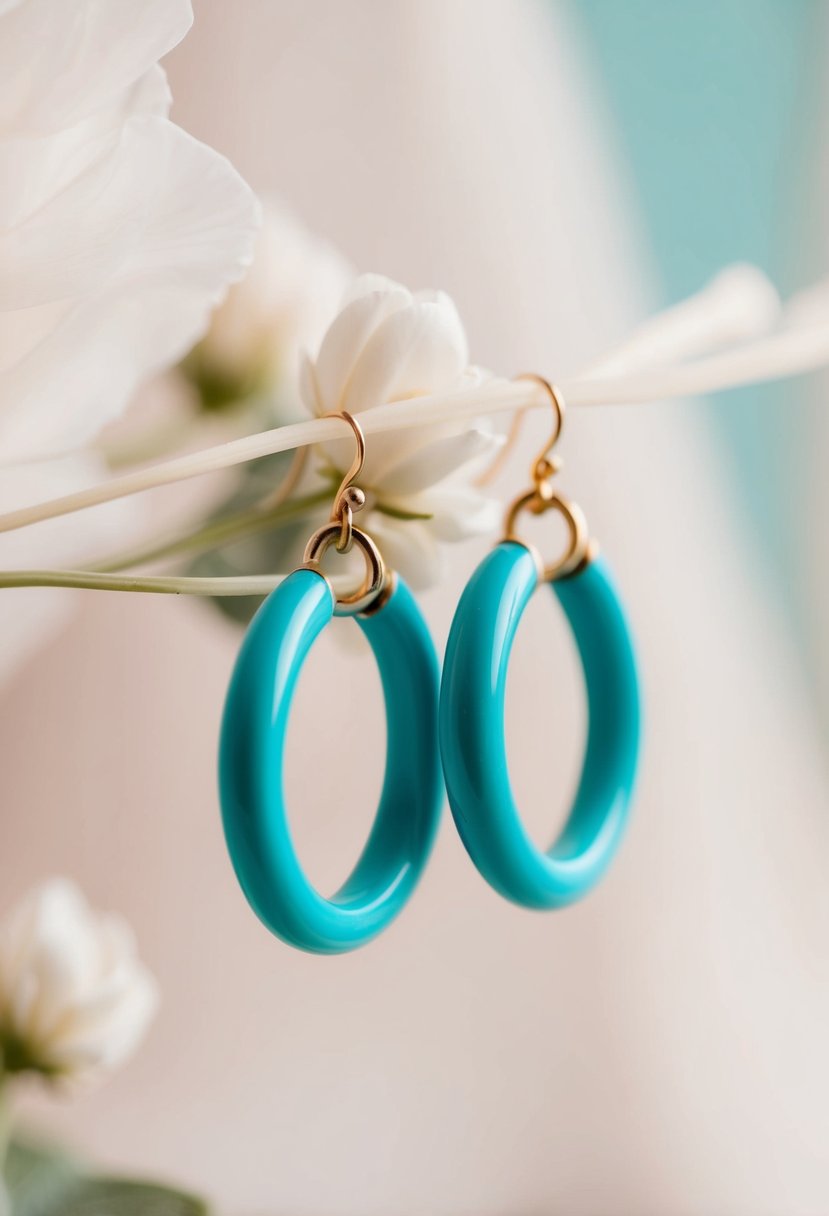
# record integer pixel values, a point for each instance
(75, 1000)
(118, 235)
(118, 231)
(389, 344)
(279, 309)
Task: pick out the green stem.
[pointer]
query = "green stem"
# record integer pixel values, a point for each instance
(220, 532)
(399, 513)
(160, 584)
(5, 1123)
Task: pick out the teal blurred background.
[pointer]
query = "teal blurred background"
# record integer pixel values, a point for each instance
(716, 106)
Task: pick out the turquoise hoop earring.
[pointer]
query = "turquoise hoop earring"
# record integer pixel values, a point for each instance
(472, 742)
(252, 745)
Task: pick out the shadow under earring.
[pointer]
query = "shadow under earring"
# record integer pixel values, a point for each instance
(473, 687)
(252, 743)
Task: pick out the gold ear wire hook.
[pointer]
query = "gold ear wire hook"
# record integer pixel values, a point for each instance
(360, 455)
(546, 465)
(550, 467)
(350, 498)
(542, 497)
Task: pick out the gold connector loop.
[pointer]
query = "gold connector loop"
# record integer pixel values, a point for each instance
(341, 533)
(376, 576)
(543, 497)
(544, 467)
(578, 549)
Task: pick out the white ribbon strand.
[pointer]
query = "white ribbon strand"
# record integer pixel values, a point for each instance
(741, 304)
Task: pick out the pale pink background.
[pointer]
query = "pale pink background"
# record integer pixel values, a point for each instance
(661, 1048)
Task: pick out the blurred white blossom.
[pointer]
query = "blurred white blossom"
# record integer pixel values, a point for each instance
(278, 310)
(118, 235)
(75, 1000)
(389, 344)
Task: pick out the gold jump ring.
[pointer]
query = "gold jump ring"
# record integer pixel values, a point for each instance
(375, 579)
(578, 546)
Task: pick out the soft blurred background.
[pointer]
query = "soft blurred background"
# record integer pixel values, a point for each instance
(562, 169)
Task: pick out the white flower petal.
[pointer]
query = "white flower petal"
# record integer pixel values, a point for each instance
(308, 387)
(106, 1029)
(409, 547)
(81, 56)
(282, 305)
(72, 988)
(368, 285)
(460, 512)
(344, 341)
(40, 166)
(160, 201)
(108, 1043)
(175, 225)
(417, 350)
(435, 461)
(54, 956)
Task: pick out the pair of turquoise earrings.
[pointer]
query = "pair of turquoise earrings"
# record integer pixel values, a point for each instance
(447, 729)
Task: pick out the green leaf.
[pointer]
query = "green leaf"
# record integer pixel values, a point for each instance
(256, 479)
(219, 390)
(264, 553)
(122, 1197)
(399, 513)
(45, 1182)
(36, 1178)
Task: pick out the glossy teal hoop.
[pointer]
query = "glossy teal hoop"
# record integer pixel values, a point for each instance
(251, 760)
(472, 730)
